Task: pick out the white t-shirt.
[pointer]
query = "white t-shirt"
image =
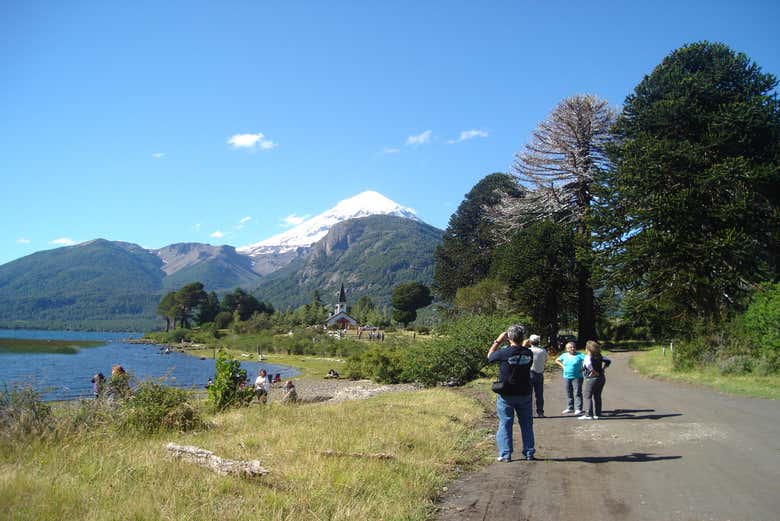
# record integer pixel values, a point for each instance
(262, 382)
(540, 359)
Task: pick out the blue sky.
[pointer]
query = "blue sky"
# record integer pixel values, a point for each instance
(116, 118)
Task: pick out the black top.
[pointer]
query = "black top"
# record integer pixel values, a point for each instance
(515, 369)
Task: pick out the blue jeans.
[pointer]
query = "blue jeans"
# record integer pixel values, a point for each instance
(537, 384)
(506, 407)
(573, 390)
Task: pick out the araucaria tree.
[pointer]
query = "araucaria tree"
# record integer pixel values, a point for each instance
(464, 255)
(558, 170)
(691, 217)
(407, 298)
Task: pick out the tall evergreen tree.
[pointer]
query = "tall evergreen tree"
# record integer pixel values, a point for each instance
(559, 167)
(190, 297)
(407, 298)
(464, 256)
(539, 267)
(691, 212)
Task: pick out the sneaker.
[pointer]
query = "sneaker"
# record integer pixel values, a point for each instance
(529, 457)
(585, 417)
(503, 459)
(578, 411)
(567, 411)
(595, 417)
(540, 415)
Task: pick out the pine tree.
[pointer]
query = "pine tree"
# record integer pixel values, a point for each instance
(464, 256)
(691, 213)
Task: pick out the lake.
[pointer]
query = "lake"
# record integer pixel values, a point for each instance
(64, 371)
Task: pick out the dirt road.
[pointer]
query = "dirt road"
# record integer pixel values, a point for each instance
(662, 451)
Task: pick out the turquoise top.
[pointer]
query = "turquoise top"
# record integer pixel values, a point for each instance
(572, 365)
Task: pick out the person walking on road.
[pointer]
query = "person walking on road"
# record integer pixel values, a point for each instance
(593, 369)
(514, 392)
(537, 373)
(571, 362)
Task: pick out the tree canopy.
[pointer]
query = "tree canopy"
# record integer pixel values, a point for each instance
(464, 256)
(407, 299)
(689, 218)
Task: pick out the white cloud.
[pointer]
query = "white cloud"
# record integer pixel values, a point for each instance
(390, 150)
(217, 234)
(22, 240)
(419, 139)
(251, 141)
(468, 134)
(158, 155)
(294, 220)
(63, 241)
(245, 220)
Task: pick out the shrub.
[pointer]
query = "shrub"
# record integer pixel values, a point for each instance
(230, 387)
(223, 319)
(738, 364)
(379, 363)
(23, 413)
(699, 351)
(758, 328)
(154, 407)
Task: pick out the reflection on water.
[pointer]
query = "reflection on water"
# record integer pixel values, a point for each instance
(67, 376)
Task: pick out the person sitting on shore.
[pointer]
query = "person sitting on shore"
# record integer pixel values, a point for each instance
(98, 382)
(290, 394)
(262, 386)
(332, 374)
(118, 387)
(277, 378)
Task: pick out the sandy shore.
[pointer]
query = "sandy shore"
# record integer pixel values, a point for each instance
(321, 390)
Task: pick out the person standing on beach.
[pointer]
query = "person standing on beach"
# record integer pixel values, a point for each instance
(571, 363)
(537, 373)
(514, 395)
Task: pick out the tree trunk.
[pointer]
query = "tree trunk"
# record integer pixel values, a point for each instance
(586, 315)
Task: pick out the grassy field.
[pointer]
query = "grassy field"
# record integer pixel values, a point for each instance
(652, 363)
(106, 475)
(63, 347)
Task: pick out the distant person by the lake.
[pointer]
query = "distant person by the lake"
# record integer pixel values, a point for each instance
(332, 373)
(290, 394)
(262, 386)
(119, 384)
(98, 382)
(571, 362)
(593, 369)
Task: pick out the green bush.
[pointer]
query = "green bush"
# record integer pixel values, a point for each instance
(23, 413)
(154, 407)
(738, 364)
(230, 387)
(758, 328)
(453, 359)
(379, 363)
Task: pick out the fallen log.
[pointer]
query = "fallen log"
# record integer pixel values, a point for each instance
(368, 455)
(206, 458)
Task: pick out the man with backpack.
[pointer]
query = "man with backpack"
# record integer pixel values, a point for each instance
(514, 391)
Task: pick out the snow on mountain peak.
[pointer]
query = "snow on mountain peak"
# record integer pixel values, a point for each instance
(312, 230)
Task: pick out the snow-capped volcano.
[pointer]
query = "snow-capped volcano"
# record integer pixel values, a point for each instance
(314, 229)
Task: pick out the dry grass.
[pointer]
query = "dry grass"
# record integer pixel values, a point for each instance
(104, 475)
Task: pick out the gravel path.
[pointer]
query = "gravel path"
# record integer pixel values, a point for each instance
(324, 389)
(663, 451)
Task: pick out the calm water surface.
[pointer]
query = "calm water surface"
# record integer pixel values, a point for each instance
(67, 376)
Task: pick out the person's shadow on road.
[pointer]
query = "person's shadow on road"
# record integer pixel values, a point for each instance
(628, 414)
(634, 457)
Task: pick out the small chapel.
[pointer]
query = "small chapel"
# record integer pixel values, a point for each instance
(340, 317)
